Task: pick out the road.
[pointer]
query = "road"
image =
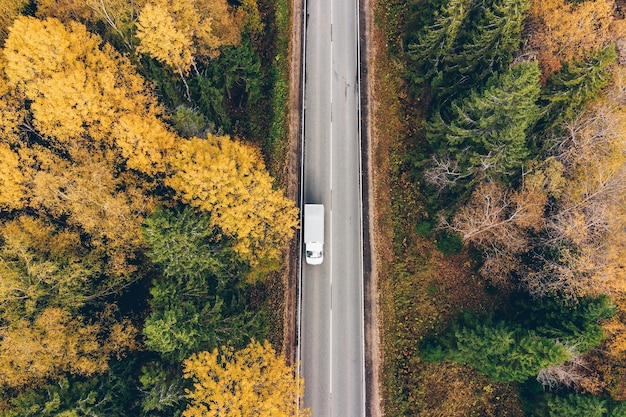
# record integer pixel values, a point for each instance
(331, 314)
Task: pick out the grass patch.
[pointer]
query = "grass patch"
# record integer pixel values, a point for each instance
(277, 144)
(271, 134)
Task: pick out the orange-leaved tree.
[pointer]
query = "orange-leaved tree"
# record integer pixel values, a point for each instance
(562, 30)
(587, 223)
(251, 382)
(499, 222)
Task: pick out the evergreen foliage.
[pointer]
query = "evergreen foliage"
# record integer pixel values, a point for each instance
(233, 81)
(577, 406)
(188, 122)
(501, 350)
(573, 324)
(111, 394)
(184, 243)
(568, 90)
(82, 148)
(494, 35)
(539, 335)
(552, 143)
(195, 304)
(435, 43)
(486, 132)
(162, 389)
(466, 44)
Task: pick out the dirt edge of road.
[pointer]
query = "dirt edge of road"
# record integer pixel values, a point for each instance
(370, 284)
(293, 180)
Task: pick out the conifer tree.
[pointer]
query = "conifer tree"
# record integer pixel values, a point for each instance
(575, 405)
(576, 325)
(505, 352)
(490, 46)
(484, 46)
(195, 304)
(486, 132)
(575, 84)
(435, 43)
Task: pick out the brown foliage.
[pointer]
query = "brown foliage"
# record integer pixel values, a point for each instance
(451, 390)
(498, 217)
(498, 221)
(587, 224)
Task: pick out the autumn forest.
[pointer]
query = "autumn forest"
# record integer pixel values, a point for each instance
(506, 291)
(140, 226)
(143, 219)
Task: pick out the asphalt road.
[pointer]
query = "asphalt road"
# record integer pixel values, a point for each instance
(331, 315)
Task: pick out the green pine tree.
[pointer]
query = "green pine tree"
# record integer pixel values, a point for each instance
(575, 405)
(573, 324)
(435, 42)
(196, 301)
(484, 46)
(497, 35)
(619, 410)
(568, 90)
(486, 132)
(504, 351)
(112, 394)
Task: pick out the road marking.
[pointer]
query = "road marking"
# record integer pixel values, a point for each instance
(360, 147)
(300, 249)
(330, 220)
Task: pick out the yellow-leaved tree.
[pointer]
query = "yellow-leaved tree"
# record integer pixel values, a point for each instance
(178, 33)
(83, 97)
(590, 215)
(54, 343)
(9, 10)
(43, 265)
(75, 188)
(251, 382)
(162, 39)
(101, 137)
(115, 18)
(12, 189)
(229, 179)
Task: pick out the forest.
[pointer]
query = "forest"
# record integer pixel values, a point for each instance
(504, 292)
(142, 216)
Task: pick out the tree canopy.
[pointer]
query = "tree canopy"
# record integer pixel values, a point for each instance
(486, 132)
(251, 381)
(109, 243)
